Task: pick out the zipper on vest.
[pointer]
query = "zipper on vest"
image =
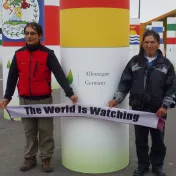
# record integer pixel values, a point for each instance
(35, 69)
(49, 84)
(30, 71)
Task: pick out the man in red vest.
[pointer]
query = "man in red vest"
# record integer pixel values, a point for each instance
(31, 69)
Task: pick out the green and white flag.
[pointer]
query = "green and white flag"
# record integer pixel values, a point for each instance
(171, 30)
(171, 40)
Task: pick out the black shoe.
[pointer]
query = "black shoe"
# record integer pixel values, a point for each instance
(158, 172)
(140, 171)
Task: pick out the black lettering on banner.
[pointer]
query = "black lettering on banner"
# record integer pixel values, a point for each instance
(67, 109)
(108, 112)
(94, 110)
(103, 112)
(124, 115)
(129, 116)
(119, 115)
(63, 109)
(31, 110)
(113, 114)
(84, 110)
(57, 109)
(38, 110)
(27, 110)
(49, 109)
(135, 118)
(72, 109)
(79, 109)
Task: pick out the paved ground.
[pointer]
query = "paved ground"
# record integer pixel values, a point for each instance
(12, 142)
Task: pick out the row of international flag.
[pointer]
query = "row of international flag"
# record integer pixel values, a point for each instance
(170, 28)
(52, 34)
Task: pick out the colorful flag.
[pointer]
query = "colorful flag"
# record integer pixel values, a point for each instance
(15, 15)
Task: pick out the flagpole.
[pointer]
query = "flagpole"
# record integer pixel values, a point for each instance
(139, 10)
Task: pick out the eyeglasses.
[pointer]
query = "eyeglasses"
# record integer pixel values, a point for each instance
(31, 33)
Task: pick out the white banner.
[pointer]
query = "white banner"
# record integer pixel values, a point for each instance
(114, 114)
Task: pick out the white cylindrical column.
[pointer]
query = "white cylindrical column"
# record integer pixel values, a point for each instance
(94, 52)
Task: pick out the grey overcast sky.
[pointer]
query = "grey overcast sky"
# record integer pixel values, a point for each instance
(151, 8)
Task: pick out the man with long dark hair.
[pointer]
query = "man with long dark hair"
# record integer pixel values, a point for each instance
(150, 79)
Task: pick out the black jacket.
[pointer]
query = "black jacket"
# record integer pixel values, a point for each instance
(150, 86)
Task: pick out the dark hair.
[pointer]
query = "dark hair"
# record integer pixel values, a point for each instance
(153, 33)
(34, 26)
(147, 33)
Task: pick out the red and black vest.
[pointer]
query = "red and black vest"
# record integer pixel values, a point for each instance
(34, 74)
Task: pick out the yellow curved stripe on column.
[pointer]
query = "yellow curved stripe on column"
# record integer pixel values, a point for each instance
(94, 27)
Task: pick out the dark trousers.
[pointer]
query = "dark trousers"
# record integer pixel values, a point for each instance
(158, 149)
